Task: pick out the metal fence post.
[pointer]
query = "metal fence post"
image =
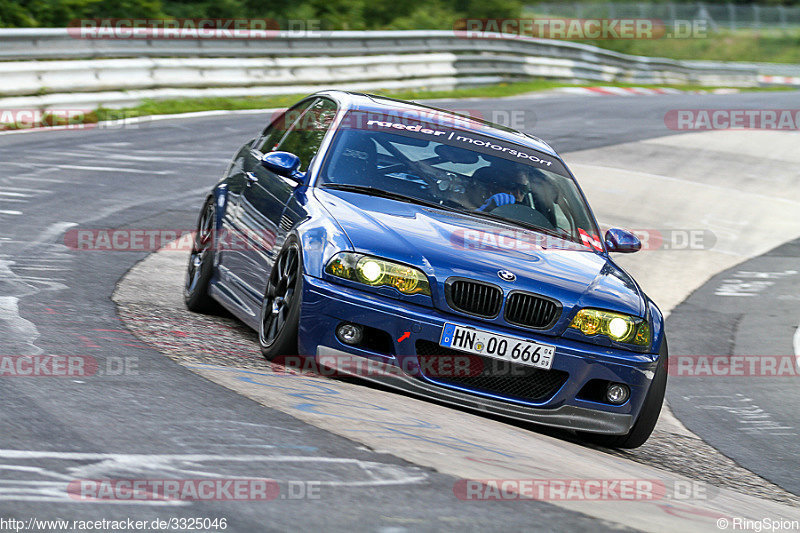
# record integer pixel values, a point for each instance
(731, 16)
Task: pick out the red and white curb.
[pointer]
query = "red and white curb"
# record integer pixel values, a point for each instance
(779, 80)
(622, 91)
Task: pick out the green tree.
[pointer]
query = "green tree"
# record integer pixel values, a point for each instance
(335, 14)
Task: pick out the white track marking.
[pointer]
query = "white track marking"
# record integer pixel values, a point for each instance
(131, 158)
(18, 333)
(39, 259)
(47, 483)
(39, 279)
(797, 345)
(53, 230)
(25, 190)
(115, 169)
(9, 212)
(15, 194)
(175, 159)
(139, 151)
(43, 269)
(48, 180)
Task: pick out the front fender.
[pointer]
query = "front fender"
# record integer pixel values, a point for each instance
(321, 238)
(657, 322)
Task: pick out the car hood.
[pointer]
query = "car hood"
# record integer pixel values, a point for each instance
(446, 244)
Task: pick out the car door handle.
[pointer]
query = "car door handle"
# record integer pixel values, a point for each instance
(251, 178)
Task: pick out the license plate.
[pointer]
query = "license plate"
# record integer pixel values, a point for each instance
(513, 349)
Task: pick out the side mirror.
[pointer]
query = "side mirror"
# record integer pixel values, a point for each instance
(619, 240)
(283, 164)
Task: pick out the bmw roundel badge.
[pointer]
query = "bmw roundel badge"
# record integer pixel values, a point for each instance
(505, 275)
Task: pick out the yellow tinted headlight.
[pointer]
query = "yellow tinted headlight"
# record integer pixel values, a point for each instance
(370, 271)
(616, 326)
(377, 272)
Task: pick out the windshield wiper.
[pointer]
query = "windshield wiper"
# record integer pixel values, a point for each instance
(374, 191)
(525, 225)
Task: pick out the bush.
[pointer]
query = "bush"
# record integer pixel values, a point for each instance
(334, 14)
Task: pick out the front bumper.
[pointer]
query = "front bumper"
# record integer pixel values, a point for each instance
(326, 305)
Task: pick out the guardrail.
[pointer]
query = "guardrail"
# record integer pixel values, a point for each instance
(47, 68)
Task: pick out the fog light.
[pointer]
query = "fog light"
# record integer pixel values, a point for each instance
(617, 393)
(349, 333)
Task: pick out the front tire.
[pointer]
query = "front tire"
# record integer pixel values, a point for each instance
(280, 310)
(201, 263)
(648, 416)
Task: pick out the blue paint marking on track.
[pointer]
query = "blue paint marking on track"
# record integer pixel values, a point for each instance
(321, 396)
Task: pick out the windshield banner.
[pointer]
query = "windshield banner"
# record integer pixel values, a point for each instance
(449, 129)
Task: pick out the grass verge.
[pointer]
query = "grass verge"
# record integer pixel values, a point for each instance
(767, 46)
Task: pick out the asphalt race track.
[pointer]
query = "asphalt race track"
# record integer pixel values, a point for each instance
(751, 309)
(141, 415)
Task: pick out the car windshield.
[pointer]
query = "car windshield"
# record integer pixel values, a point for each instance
(461, 170)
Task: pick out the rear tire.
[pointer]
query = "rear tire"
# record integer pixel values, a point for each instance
(201, 263)
(648, 416)
(280, 311)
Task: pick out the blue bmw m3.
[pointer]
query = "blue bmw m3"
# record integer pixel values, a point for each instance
(458, 256)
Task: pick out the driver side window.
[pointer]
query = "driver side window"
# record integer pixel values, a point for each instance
(275, 131)
(305, 136)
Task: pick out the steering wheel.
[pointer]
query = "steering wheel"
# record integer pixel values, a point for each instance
(418, 169)
(525, 214)
(397, 167)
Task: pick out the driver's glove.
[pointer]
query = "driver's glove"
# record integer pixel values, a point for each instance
(501, 198)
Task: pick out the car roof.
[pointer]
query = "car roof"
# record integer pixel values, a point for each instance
(382, 104)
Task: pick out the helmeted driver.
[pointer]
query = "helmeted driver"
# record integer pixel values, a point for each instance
(524, 180)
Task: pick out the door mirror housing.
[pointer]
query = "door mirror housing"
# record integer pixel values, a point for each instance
(284, 164)
(622, 241)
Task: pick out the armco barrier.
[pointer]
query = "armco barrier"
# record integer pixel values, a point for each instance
(48, 68)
